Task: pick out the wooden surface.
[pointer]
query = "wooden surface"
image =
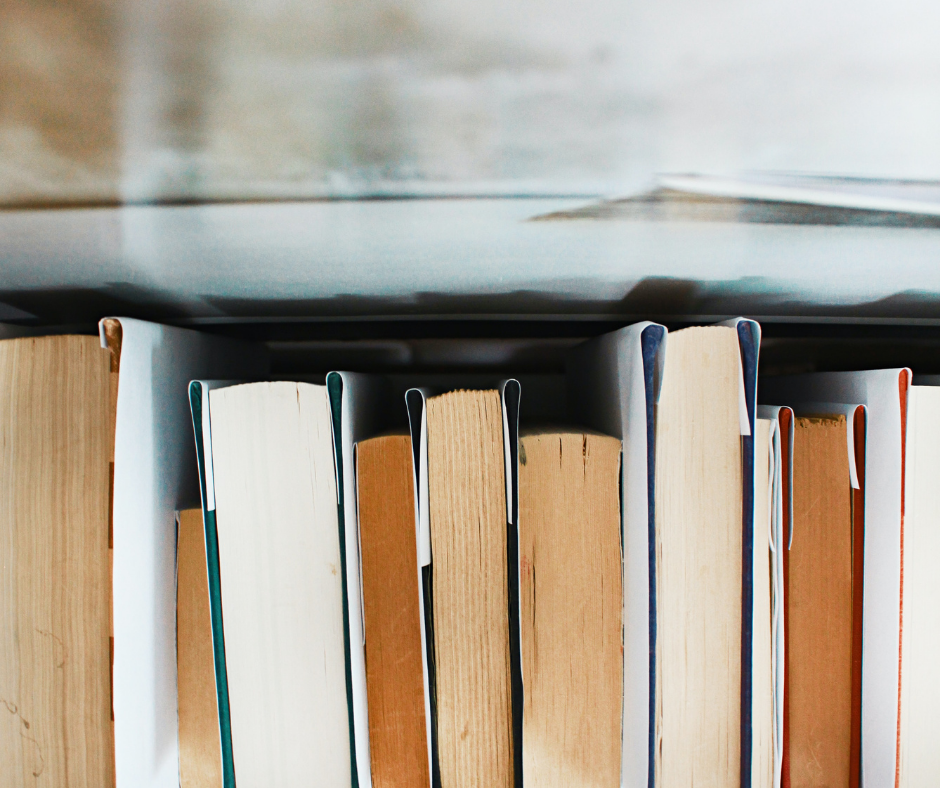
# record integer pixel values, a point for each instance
(55, 581)
(200, 745)
(571, 609)
(390, 595)
(469, 563)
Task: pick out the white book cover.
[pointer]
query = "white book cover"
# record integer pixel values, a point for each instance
(154, 475)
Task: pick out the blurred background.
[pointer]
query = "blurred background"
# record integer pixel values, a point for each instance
(147, 101)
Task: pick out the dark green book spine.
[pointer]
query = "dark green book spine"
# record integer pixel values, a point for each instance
(215, 595)
(334, 383)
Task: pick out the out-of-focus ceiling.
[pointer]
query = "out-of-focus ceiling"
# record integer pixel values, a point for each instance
(111, 101)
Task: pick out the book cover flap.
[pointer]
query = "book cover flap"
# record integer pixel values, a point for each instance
(154, 475)
(883, 392)
(416, 403)
(356, 402)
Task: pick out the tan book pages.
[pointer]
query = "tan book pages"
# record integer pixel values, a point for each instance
(467, 505)
(819, 602)
(200, 745)
(698, 560)
(571, 609)
(55, 582)
(762, 686)
(919, 761)
(390, 594)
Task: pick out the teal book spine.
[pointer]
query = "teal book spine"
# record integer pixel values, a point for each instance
(215, 592)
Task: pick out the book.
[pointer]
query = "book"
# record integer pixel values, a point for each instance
(470, 613)
(824, 637)
(919, 720)
(571, 615)
(356, 407)
(154, 476)
(359, 406)
(704, 572)
(763, 684)
(883, 393)
(55, 575)
(281, 574)
(200, 747)
(773, 506)
(391, 590)
(613, 383)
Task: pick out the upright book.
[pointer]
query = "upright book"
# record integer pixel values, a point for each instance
(919, 721)
(154, 475)
(571, 608)
(55, 580)
(884, 394)
(686, 414)
(348, 399)
(613, 383)
(773, 506)
(281, 581)
(391, 590)
(824, 599)
(466, 484)
(704, 563)
(199, 741)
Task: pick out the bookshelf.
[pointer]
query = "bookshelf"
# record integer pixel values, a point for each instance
(435, 192)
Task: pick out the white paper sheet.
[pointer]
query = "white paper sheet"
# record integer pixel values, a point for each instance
(879, 391)
(154, 475)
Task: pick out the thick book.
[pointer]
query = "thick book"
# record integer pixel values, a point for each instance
(704, 561)
(154, 476)
(55, 576)
(918, 754)
(391, 589)
(352, 410)
(571, 608)
(773, 528)
(281, 582)
(824, 599)
(884, 394)
(466, 474)
(612, 386)
(617, 383)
